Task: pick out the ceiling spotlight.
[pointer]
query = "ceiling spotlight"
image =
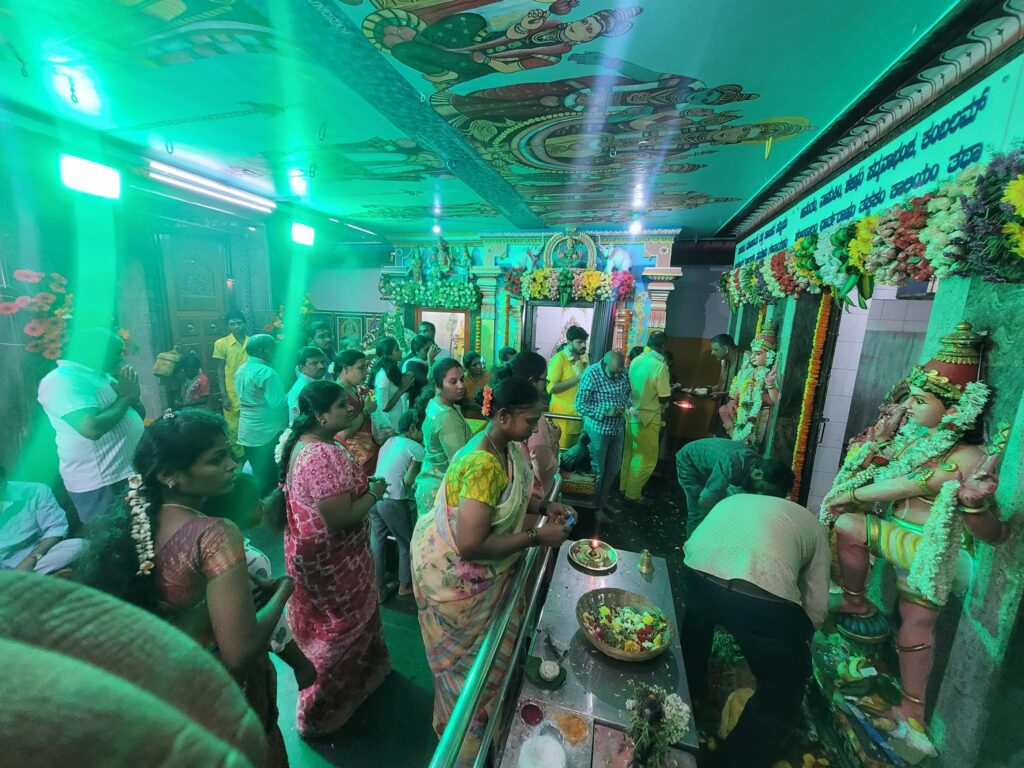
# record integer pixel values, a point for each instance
(437, 229)
(636, 227)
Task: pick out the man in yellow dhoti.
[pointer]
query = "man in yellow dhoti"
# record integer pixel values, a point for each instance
(649, 381)
(564, 372)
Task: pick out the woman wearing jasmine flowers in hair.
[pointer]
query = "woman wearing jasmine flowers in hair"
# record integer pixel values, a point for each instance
(161, 553)
(935, 484)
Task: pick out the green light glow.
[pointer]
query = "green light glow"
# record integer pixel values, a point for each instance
(303, 234)
(92, 178)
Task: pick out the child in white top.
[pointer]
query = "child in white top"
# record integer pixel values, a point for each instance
(398, 463)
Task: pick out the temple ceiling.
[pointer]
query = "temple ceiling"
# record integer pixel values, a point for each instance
(477, 115)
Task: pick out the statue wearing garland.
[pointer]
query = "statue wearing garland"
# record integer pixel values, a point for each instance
(933, 486)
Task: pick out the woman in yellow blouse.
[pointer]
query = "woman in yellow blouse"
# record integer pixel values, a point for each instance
(564, 372)
(464, 551)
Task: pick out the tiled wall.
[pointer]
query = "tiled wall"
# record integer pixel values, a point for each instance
(841, 382)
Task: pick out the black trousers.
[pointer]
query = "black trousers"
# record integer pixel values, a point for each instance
(775, 640)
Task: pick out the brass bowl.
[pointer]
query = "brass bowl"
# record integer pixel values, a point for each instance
(619, 598)
(579, 554)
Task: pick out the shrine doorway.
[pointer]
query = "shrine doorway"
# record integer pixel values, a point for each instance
(452, 327)
(874, 347)
(547, 322)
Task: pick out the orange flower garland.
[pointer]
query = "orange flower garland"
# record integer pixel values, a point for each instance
(508, 313)
(807, 402)
(479, 327)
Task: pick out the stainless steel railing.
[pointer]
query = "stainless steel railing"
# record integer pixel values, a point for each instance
(450, 746)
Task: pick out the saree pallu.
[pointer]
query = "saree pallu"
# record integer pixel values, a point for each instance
(361, 445)
(458, 599)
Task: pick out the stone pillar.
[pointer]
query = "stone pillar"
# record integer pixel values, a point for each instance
(977, 710)
(659, 286)
(487, 282)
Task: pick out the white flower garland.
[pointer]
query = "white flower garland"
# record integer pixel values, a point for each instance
(931, 574)
(935, 562)
(830, 267)
(750, 378)
(142, 531)
(279, 448)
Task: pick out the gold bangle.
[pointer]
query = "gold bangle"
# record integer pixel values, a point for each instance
(972, 510)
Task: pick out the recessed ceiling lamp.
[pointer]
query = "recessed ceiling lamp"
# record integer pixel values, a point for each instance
(92, 178)
(303, 234)
(437, 229)
(168, 174)
(636, 227)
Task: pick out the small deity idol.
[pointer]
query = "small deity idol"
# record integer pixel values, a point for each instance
(753, 391)
(932, 484)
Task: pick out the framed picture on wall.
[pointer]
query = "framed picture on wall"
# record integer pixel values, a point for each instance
(349, 324)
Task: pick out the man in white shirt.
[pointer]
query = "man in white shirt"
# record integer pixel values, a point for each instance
(310, 366)
(757, 565)
(32, 529)
(92, 401)
(263, 410)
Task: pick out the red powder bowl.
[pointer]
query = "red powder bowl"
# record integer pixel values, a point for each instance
(531, 714)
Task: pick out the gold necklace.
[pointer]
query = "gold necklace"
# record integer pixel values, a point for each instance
(501, 458)
(182, 506)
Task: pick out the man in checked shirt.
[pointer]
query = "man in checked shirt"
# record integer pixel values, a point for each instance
(602, 399)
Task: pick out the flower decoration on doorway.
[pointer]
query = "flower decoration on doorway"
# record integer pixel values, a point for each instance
(514, 281)
(810, 385)
(990, 244)
(449, 294)
(276, 325)
(945, 217)
(44, 298)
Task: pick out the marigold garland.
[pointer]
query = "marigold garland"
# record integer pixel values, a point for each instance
(810, 385)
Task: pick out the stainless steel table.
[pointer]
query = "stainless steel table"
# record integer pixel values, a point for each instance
(596, 685)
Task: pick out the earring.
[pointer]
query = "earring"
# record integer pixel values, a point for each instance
(170, 484)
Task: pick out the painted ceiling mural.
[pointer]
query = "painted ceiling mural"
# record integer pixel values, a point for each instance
(480, 115)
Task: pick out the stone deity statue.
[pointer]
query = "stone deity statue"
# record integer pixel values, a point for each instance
(907, 493)
(753, 391)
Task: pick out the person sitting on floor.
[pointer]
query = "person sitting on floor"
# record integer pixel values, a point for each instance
(706, 468)
(32, 529)
(398, 464)
(758, 566)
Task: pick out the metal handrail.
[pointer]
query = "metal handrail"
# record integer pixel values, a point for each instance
(450, 745)
(447, 753)
(563, 416)
(506, 681)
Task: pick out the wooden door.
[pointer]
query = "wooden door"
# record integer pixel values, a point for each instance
(195, 271)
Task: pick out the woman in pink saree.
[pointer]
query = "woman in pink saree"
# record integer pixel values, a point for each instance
(333, 614)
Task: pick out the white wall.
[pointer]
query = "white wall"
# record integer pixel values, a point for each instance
(347, 289)
(695, 308)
